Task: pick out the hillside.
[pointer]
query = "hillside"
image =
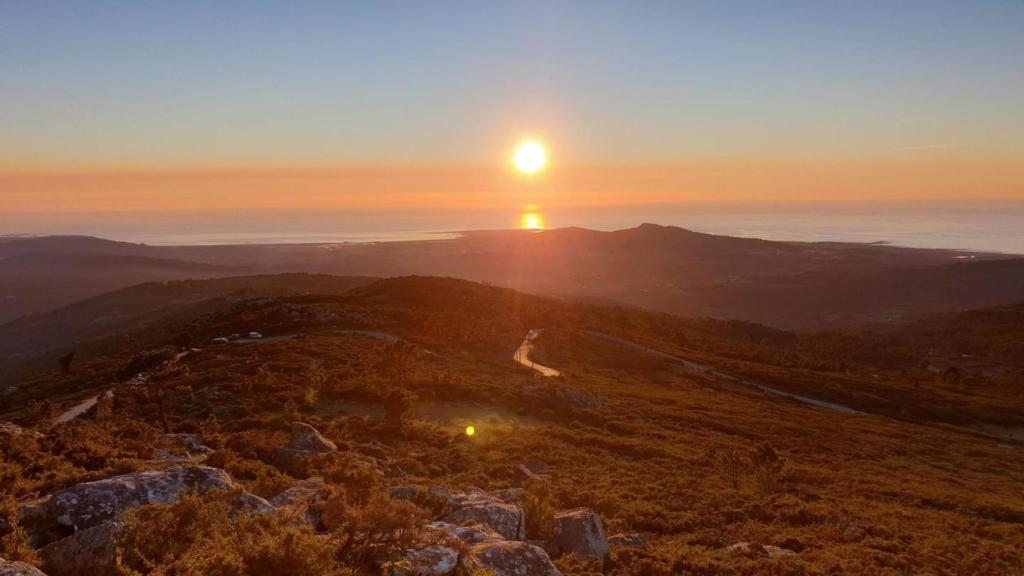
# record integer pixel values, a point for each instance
(693, 471)
(32, 282)
(790, 285)
(149, 313)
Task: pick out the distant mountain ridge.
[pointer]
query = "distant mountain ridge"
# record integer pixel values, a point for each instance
(791, 285)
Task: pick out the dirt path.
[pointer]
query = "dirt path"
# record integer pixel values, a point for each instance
(522, 355)
(85, 405)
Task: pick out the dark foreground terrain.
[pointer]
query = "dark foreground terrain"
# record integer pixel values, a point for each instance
(338, 443)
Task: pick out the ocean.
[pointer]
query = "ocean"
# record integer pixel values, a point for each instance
(988, 227)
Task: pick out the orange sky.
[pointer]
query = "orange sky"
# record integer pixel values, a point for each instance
(706, 180)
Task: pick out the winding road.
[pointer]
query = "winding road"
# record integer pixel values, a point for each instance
(522, 355)
(695, 367)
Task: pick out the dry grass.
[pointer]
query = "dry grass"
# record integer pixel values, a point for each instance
(692, 465)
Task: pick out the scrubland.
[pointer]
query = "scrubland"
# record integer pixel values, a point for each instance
(691, 462)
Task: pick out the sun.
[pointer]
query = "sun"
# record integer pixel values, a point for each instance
(530, 157)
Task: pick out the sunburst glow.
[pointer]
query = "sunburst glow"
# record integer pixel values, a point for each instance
(530, 157)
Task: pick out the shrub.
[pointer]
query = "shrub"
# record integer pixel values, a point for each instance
(374, 530)
(539, 507)
(198, 536)
(14, 545)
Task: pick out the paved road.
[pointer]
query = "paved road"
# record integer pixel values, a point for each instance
(522, 355)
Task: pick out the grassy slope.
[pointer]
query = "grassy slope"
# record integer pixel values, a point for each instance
(860, 494)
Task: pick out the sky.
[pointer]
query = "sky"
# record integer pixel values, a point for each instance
(180, 105)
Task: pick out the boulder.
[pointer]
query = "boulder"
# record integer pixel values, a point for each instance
(84, 553)
(579, 532)
(18, 569)
(305, 438)
(435, 560)
(92, 503)
(305, 441)
(11, 429)
(300, 500)
(507, 558)
(36, 517)
(248, 503)
(467, 534)
(631, 540)
(499, 511)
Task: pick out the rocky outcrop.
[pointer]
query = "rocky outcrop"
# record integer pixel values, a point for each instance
(305, 441)
(579, 532)
(18, 569)
(499, 511)
(434, 560)
(84, 553)
(92, 503)
(301, 499)
(509, 558)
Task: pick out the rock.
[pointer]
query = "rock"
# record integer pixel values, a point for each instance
(299, 501)
(84, 553)
(499, 510)
(505, 558)
(467, 534)
(92, 503)
(412, 492)
(435, 560)
(738, 549)
(18, 569)
(532, 471)
(777, 551)
(11, 429)
(181, 448)
(631, 540)
(756, 551)
(579, 532)
(306, 441)
(248, 503)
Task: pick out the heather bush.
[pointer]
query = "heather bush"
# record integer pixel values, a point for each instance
(199, 536)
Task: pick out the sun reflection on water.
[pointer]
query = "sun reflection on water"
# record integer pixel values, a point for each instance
(531, 219)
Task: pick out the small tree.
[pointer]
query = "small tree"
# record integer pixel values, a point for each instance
(734, 464)
(398, 408)
(766, 467)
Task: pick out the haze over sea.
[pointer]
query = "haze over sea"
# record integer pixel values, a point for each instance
(990, 226)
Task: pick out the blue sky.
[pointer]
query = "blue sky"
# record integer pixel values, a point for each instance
(454, 82)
